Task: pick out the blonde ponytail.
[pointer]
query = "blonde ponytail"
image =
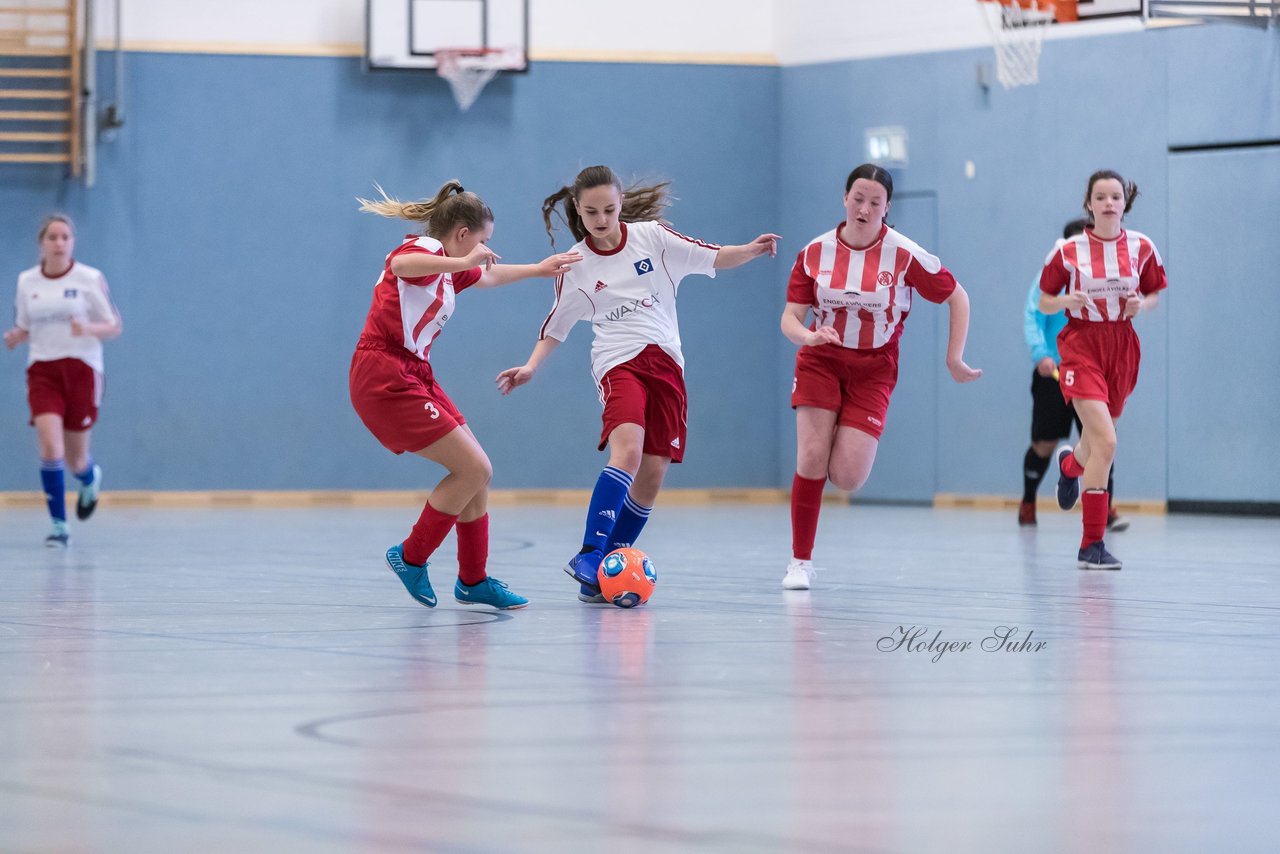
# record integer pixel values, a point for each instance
(452, 206)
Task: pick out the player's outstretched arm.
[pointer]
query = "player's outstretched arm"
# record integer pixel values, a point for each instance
(958, 303)
(797, 333)
(735, 256)
(513, 378)
(505, 274)
(415, 265)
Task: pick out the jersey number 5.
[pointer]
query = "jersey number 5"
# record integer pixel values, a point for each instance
(1069, 378)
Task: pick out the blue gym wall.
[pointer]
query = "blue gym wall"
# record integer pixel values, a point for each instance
(1118, 101)
(224, 218)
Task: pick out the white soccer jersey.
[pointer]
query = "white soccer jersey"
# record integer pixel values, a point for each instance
(628, 293)
(865, 294)
(46, 305)
(1108, 271)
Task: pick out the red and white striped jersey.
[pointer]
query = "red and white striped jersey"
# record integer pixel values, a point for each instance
(1108, 271)
(866, 293)
(412, 312)
(628, 293)
(46, 305)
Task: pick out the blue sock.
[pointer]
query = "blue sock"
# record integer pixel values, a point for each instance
(86, 476)
(631, 519)
(606, 502)
(54, 480)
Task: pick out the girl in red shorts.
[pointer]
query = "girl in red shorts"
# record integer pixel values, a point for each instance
(398, 398)
(64, 312)
(1102, 279)
(626, 287)
(858, 280)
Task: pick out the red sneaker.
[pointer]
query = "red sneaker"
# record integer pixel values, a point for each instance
(1027, 513)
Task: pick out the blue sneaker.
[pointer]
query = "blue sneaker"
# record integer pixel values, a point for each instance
(590, 595)
(1096, 556)
(1068, 487)
(414, 578)
(584, 567)
(87, 499)
(490, 592)
(59, 537)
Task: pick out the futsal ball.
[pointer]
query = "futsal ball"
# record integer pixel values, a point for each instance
(627, 577)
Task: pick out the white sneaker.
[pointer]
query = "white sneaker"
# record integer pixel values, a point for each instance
(799, 575)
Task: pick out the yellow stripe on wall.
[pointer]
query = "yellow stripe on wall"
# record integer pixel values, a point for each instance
(345, 49)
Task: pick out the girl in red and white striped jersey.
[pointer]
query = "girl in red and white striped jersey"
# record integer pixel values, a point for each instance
(395, 391)
(626, 287)
(1102, 279)
(858, 281)
(64, 312)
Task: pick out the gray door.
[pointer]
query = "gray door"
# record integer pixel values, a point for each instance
(1223, 304)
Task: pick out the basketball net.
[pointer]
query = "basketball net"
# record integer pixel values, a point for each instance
(1017, 28)
(469, 70)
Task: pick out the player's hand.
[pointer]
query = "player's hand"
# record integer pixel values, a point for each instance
(1076, 301)
(962, 373)
(821, 335)
(513, 378)
(77, 328)
(1132, 304)
(482, 256)
(1045, 367)
(14, 337)
(765, 243)
(557, 264)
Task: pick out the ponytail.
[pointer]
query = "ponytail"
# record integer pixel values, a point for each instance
(452, 207)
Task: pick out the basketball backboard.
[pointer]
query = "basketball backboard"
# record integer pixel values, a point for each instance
(407, 33)
(1095, 9)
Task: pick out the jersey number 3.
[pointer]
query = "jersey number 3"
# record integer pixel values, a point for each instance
(431, 407)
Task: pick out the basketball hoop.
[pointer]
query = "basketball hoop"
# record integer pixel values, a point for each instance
(469, 70)
(1017, 28)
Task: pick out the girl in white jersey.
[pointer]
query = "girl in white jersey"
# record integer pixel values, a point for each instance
(396, 394)
(626, 287)
(1102, 279)
(64, 312)
(858, 280)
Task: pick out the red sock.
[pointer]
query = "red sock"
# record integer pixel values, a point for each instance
(806, 503)
(427, 535)
(1095, 516)
(473, 550)
(1071, 466)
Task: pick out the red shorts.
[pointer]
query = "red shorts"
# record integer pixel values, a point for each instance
(397, 398)
(1099, 362)
(648, 390)
(66, 387)
(854, 384)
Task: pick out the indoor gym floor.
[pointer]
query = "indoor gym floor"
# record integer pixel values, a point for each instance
(256, 680)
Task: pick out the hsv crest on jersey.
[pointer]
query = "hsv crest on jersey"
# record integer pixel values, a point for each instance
(643, 266)
(600, 286)
(69, 293)
(885, 277)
